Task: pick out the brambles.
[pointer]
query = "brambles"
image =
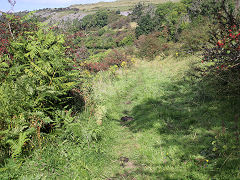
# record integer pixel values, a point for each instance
(224, 52)
(114, 58)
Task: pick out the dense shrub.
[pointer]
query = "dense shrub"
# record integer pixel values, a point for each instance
(194, 38)
(97, 20)
(149, 46)
(127, 40)
(124, 38)
(82, 53)
(224, 52)
(115, 57)
(145, 25)
(137, 11)
(72, 42)
(173, 16)
(11, 27)
(35, 81)
(120, 23)
(100, 42)
(96, 66)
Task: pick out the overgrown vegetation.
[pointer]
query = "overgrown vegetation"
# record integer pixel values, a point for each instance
(162, 82)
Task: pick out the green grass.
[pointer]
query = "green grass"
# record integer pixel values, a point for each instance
(176, 132)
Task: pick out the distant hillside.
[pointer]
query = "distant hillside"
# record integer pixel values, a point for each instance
(122, 5)
(56, 15)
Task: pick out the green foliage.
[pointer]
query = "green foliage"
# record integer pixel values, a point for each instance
(100, 42)
(120, 23)
(173, 16)
(195, 36)
(176, 126)
(222, 55)
(44, 129)
(149, 46)
(16, 146)
(34, 84)
(97, 20)
(145, 25)
(137, 11)
(127, 40)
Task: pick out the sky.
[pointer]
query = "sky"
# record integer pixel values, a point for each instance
(22, 5)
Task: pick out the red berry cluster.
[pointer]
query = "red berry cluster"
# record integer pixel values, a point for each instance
(232, 35)
(226, 53)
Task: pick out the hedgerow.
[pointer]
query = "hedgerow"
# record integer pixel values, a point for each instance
(36, 80)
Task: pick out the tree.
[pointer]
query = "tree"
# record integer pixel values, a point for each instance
(145, 25)
(97, 20)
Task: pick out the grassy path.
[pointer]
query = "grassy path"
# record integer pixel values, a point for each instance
(140, 151)
(170, 136)
(174, 131)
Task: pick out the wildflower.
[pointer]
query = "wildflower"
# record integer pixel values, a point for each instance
(123, 64)
(176, 54)
(206, 160)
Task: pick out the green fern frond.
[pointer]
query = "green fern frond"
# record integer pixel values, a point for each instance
(43, 73)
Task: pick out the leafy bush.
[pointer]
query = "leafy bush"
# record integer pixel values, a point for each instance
(124, 38)
(173, 16)
(115, 57)
(120, 23)
(96, 66)
(82, 53)
(97, 20)
(223, 53)
(195, 36)
(35, 82)
(149, 46)
(137, 11)
(145, 25)
(100, 42)
(72, 42)
(128, 40)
